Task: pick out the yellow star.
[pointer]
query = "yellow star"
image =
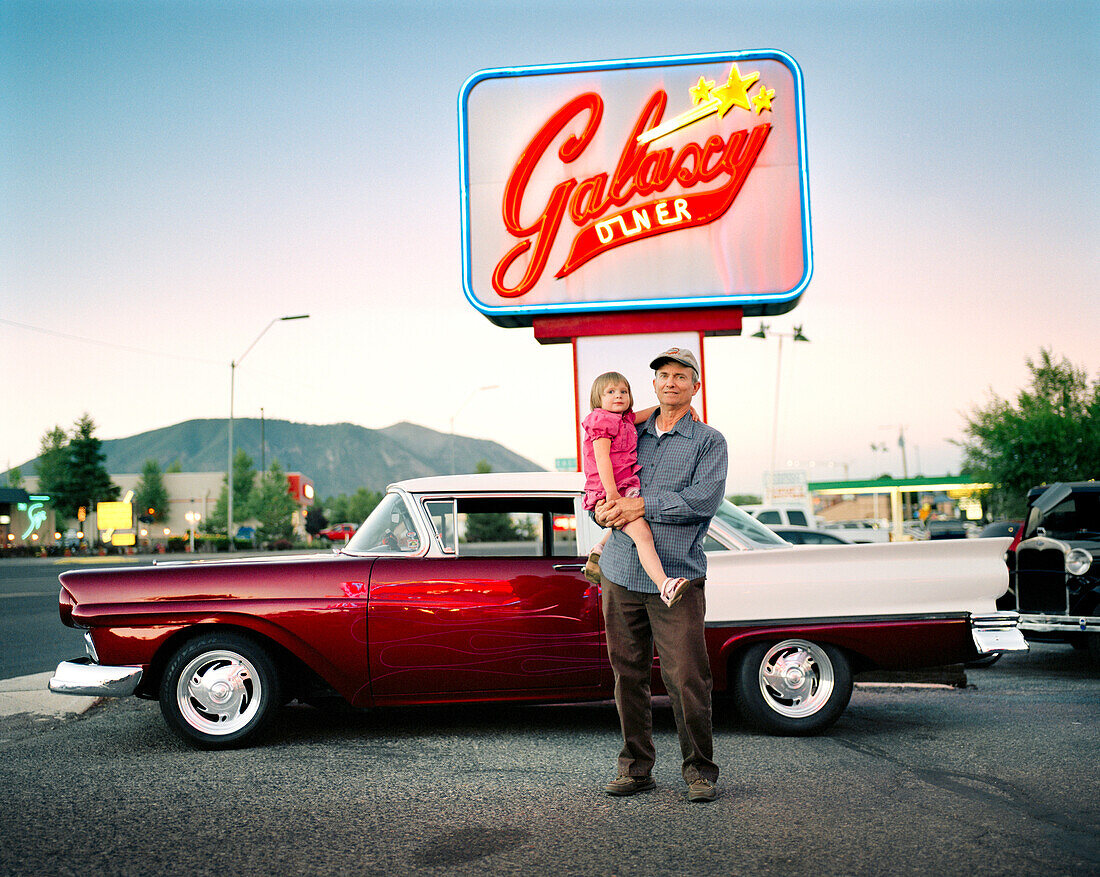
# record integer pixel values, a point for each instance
(736, 91)
(701, 91)
(763, 99)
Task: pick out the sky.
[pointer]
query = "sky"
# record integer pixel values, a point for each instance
(176, 175)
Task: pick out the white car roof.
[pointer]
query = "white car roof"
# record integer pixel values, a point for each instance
(565, 482)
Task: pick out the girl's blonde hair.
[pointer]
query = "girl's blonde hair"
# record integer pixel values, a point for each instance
(603, 382)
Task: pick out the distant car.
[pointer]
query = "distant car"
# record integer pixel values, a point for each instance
(860, 531)
(946, 528)
(1000, 528)
(339, 532)
(471, 588)
(808, 536)
(795, 516)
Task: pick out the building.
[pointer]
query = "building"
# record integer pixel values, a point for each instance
(26, 519)
(189, 494)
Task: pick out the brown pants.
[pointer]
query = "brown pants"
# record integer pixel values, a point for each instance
(634, 622)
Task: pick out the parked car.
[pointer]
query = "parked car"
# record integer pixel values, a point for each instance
(339, 532)
(470, 588)
(946, 528)
(1055, 565)
(808, 536)
(796, 516)
(859, 531)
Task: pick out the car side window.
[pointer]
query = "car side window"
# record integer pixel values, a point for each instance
(797, 517)
(519, 526)
(712, 544)
(769, 518)
(442, 515)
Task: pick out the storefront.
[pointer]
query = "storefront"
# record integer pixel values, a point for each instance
(26, 520)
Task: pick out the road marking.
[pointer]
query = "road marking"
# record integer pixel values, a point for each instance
(30, 594)
(109, 559)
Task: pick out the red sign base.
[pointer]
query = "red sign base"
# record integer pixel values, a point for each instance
(708, 321)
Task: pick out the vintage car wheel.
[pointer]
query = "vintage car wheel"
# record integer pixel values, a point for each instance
(219, 690)
(793, 687)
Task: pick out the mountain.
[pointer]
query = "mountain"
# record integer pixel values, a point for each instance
(339, 457)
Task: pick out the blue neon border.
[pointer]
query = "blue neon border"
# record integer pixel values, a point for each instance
(645, 304)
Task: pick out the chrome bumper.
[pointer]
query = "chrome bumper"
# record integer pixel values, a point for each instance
(82, 677)
(1060, 623)
(997, 632)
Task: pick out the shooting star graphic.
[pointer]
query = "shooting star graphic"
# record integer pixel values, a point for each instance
(708, 100)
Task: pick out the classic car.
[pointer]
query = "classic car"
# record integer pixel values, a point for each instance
(1055, 565)
(339, 532)
(469, 588)
(860, 531)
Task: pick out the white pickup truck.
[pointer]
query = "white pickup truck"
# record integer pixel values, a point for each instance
(799, 516)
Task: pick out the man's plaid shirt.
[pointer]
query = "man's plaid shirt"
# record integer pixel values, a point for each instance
(683, 475)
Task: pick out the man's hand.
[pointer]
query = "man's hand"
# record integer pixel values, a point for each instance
(620, 512)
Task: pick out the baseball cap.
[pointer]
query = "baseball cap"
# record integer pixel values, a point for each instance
(678, 354)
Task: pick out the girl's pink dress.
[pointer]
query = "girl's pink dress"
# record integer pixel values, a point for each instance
(624, 454)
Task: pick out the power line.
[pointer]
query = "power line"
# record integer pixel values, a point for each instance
(100, 342)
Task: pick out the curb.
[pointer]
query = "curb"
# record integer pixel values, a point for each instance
(29, 694)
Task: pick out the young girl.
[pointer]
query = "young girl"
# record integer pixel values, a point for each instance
(610, 457)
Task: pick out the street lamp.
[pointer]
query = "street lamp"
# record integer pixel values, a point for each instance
(797, 335)
(232, 377)
(192, 519)
(460, 407)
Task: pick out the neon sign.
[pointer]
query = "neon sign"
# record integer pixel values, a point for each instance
(554, 219)
(36, 513)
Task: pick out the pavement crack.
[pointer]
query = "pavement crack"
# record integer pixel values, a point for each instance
(987, 791)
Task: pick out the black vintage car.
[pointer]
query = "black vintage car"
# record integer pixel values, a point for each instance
(1055, 568)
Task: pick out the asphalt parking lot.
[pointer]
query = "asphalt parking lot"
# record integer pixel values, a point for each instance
(996, 778)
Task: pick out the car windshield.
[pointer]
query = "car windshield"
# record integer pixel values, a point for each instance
(388, 530)
(747, 526)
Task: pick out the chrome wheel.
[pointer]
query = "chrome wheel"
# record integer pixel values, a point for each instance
(219, 692)
(796, 678)
(792, 687)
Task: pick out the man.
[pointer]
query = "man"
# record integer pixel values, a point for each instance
(683, 477)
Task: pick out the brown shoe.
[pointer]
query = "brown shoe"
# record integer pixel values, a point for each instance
(592, 568)
(624, 785)
(702, 790)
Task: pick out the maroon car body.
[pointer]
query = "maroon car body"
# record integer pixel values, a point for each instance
(415, 619)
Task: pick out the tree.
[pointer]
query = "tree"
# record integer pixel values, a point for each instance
(354, 508)
(491, 527)
(86, 481)
(273, 506)
(315, 519)
(53, 465)
(151, 496)
(244, 480)
(1050, 433)
(15, 477)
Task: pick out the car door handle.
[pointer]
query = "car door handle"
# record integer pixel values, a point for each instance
(568, 567)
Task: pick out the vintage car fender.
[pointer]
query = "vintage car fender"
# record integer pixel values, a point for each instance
(857, 581)
(137, 615)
